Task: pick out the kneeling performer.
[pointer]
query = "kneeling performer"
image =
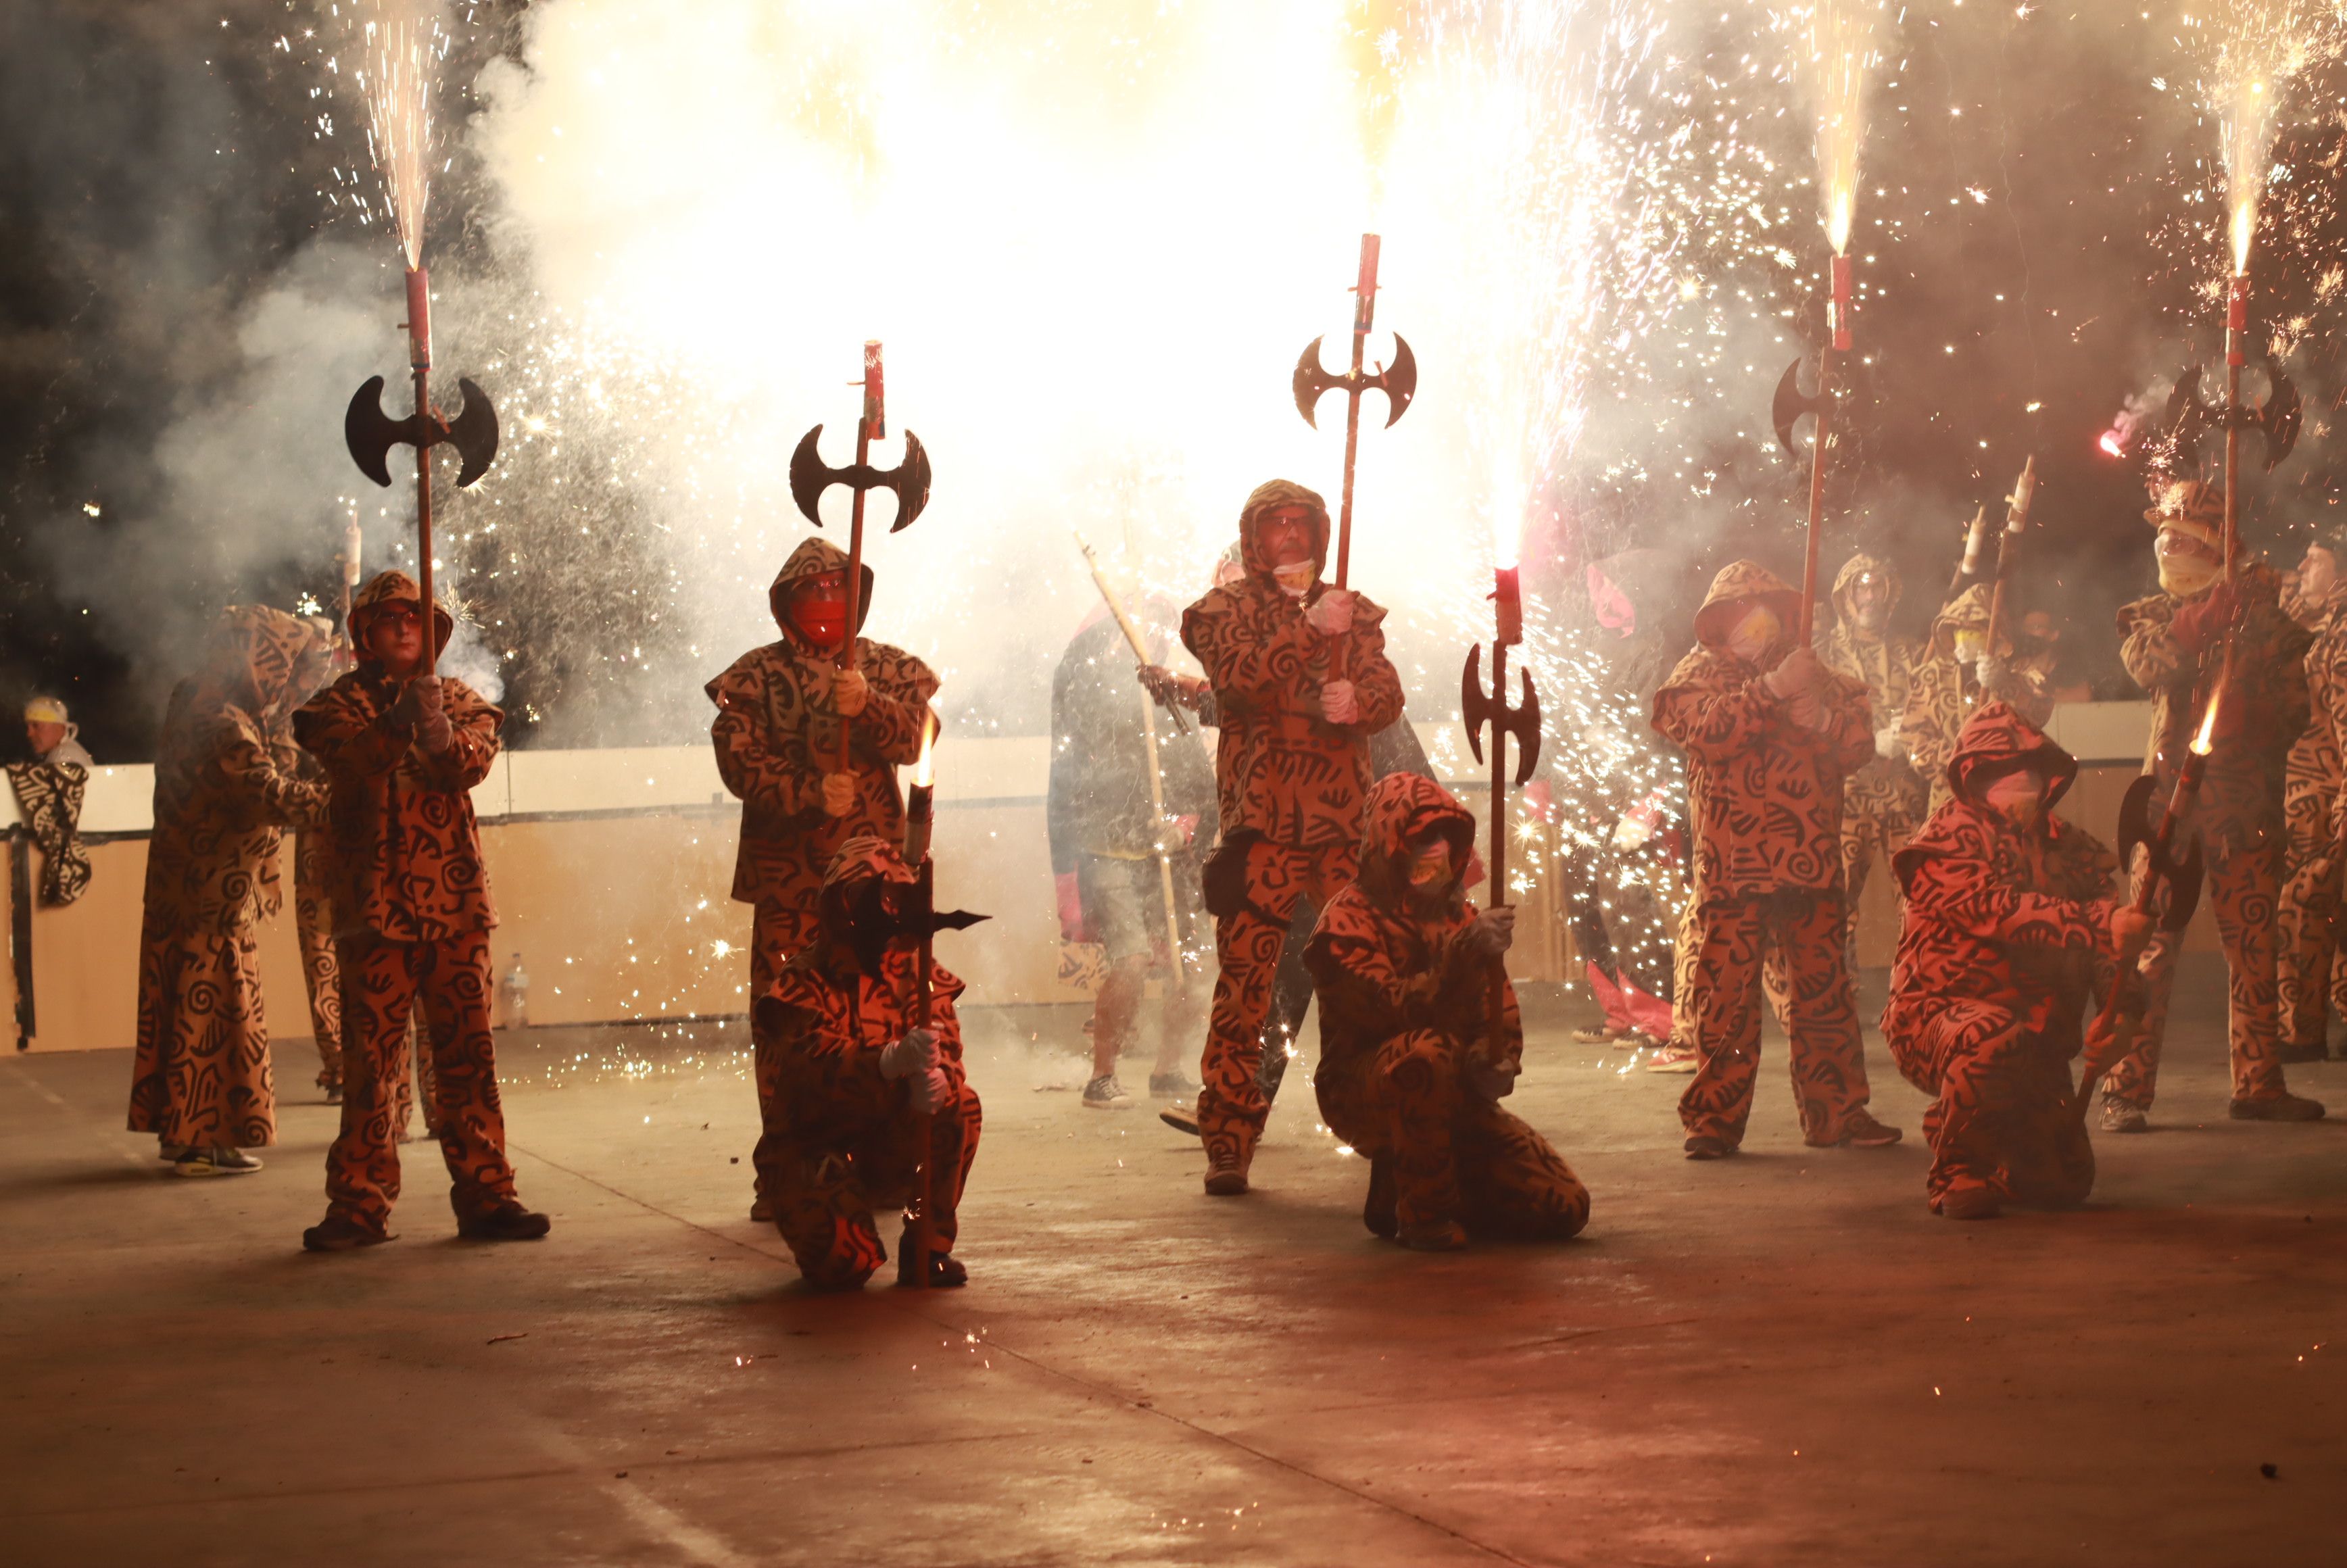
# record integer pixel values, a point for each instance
(2008, 925)
(855, 1083)
(1410, 1072)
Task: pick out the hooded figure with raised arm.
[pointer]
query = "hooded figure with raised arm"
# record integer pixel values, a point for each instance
(780, 710)
(1300, 682)
(2007, 933)
(1769, 734)
(1412, 1068)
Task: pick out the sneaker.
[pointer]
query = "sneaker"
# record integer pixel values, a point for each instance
(1860, 1129)
(218, 1162)
(1440, 1236)
(2287, 1051)
(1170, 1086)
(507, 1221)
(167, 1152)
(1225, 1178)
(1181, 1118)
(1105, 1093)
(2124, 1116)
(1672, 1059)
(1377, 1212)
(1970, 1204)
(1704, 1146)
(1596, 1035)
(336, 1234)
(945, 1272)
(2283, 1107)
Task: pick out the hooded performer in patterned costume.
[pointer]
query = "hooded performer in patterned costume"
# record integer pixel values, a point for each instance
(2008, 931)
(48, 791)
(853, 1078)
(1410, 1074)
(779, 711)
(1300, 682)
(201, 1081)
(1957, 674)
(2314, 811)
(2174, 645)
(412, 920)
(1882, 802)
(1769, 736)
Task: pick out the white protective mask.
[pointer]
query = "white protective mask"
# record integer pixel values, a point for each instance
(1295, 580)
(1756, 634)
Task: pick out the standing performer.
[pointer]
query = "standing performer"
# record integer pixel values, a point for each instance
(2175, 645)
(1957, 673)
(402, 750)
(2314, 811)
(1106, 827)
(48, 791)
(2007, 929)
(1882, 802)
(1769, 734)
(201, 1081)
(780, 710)
(854, 1080)
(1411, 1069)
(1300, 682)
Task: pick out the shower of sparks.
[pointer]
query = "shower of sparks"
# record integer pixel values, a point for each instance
(404, 43)
(2257, 46)
(1840, 52)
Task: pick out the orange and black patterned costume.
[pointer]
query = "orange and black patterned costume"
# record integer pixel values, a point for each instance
(776, 736)
(412, 921)
(1765, 800)
(842, 1138)
(2005, 940)
(1289, 786)
(2314, 814)
(1405, 1013)
(2174, 648)
(1883, 801)
(200, 1078)
(1945, 689)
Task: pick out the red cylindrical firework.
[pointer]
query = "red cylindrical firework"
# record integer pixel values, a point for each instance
(1507, 597)
(1842, 310)
(419, 319)
(2237, 321)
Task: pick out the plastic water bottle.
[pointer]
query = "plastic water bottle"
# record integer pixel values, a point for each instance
(513, 995)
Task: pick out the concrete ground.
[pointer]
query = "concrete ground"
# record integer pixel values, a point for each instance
(1780, 1359)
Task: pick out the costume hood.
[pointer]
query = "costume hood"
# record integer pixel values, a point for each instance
(1270, 497)
(1401, 806)
(1968, 611)
(2192, 507)
(1738, 582)
(389, 587)
(1997, 737)
(1845, 586)
(814, 558)
(253, 650)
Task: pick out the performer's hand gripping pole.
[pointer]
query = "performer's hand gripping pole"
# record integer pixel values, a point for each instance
(2164, 861)
(1523, 721)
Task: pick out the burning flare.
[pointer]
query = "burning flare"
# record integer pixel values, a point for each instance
(925, 771)
(2207, 739)
(1842, 50)
(2259, 46)
(405, 43)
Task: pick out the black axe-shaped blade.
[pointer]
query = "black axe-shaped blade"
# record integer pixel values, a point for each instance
(2183, 873)
(370, 434)
(1398, 381)
(1523, 721)
(2276, 419)
(909, 480)
(1790, 402)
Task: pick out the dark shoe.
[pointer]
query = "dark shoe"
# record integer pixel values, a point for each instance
(761, 1211)
(2283, 1107)
(1170, 1086)
(1378, 1213)
(1181, 1118)
(237, 1163)
(506, 1222)
(1970, 1204)
(1704, 1146)
(1105, 1093)
(2124, 1116)
(335, 1234)
(2288, 1052)
(333, 1092)
(1226, 1178)
(1441, 1236)
(945, 1272)
(1596, 1034)
(1861, 1131)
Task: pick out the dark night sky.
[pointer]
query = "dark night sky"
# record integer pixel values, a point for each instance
(158, 169)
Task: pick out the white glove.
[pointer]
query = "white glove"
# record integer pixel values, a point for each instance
(1493, 932)
(1796, 672)
(432, 725)
(917, 1053)
(1887, 743)
(838, 793)
(1809, 710)
(1489, 1081)
(1339, 704)
(1992, 672)
(929, 1092)
(849, 693)
(1331, 614)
